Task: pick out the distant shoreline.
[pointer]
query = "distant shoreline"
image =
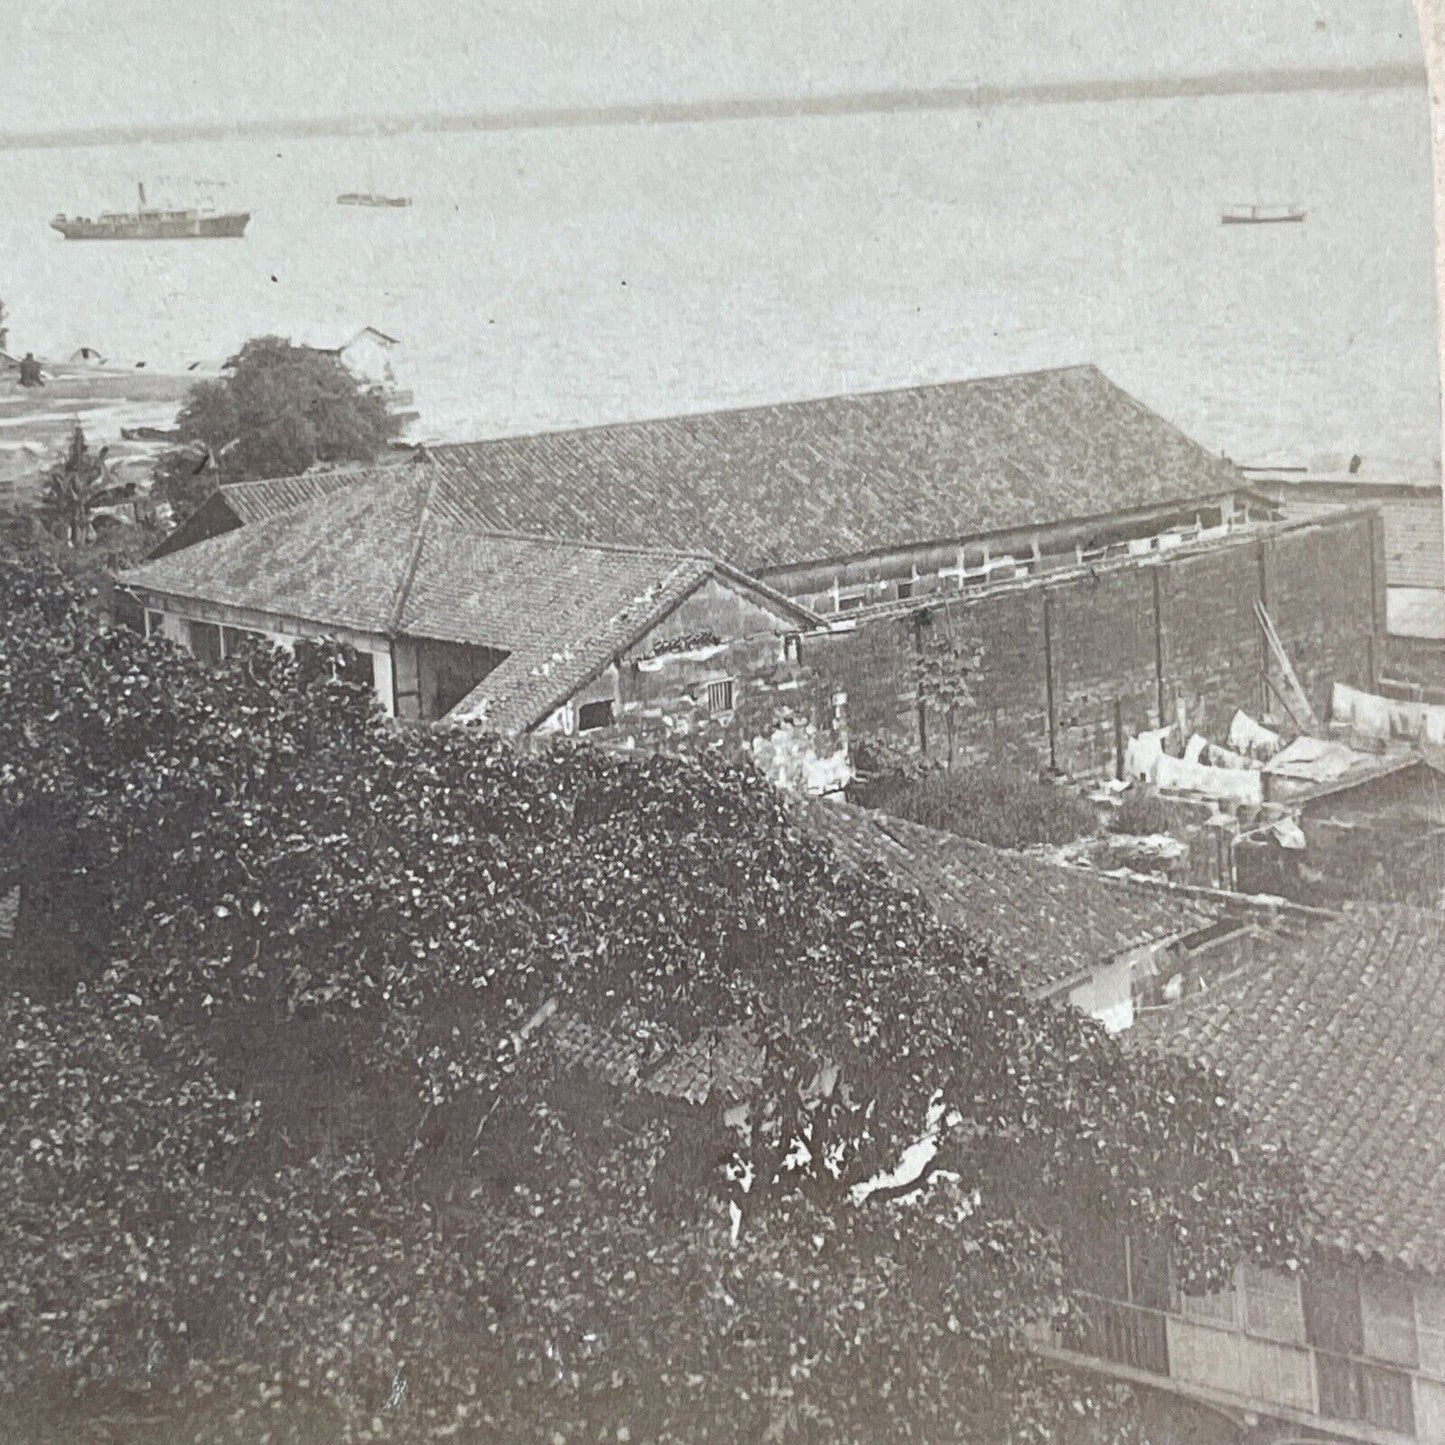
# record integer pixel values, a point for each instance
(740, 108)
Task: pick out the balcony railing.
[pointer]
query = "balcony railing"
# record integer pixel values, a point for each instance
(1299, 1380)
(1123, 1333)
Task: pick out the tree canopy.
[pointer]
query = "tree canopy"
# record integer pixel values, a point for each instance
(278, 409)
(290, 1148)
(73, 491)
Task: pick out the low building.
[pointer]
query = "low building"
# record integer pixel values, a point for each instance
(848, 501)
(1331, 1036)
(1414, 556)
(1098, 942)
(1107, 565)
(517, 635)
(1376, 834)
(368, 354)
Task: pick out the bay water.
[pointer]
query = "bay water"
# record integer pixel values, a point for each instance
(547, 278)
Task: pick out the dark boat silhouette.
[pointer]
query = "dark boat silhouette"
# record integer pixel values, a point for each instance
(1255, 215)
(370, 198)
(150, 223)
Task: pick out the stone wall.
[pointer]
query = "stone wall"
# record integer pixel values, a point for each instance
(719, 674)
(1071, 667)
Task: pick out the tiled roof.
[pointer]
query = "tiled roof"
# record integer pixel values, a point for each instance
(255, 501)
(772, 486)
(383, 556)
(1335, 1041)
(585, 616)
(724, 1065)
(1050, 922)
(340, 559)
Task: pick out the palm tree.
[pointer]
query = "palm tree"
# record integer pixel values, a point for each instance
(75, 488)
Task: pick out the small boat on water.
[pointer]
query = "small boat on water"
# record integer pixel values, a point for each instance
(370, 198)
(151, 223)
(149, 434)
(1254, 215)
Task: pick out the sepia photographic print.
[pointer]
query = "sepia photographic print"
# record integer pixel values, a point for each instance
(721, 723)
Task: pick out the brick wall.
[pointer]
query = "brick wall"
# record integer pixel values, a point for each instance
(1010, 714)
(1210, 639)
(1066, 666)
(1419, 661)
(1318, 585)
(1102, 648)
(873, 664)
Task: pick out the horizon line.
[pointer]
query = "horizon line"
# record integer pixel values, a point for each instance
(735, 108)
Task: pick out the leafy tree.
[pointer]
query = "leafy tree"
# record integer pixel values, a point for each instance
(941, 672)
(74, 489)
(279, 409)
(296, 1150)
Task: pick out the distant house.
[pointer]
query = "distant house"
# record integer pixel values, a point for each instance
(368, 355)
(87, 356)
(1414, 535)
(512, 634)
(1331, 1036)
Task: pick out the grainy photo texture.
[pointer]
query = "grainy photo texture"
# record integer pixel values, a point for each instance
(720, 723)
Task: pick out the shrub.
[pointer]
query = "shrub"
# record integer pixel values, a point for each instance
(1139, 814)
(1001, 806)
(881, 760)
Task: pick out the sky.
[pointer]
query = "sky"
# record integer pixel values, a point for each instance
(68, 64)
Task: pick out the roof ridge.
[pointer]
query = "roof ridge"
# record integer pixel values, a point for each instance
(341, 471)
(799, 401)
(629, 549)
(408, 577)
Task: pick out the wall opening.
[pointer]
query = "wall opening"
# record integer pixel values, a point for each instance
(593, 715)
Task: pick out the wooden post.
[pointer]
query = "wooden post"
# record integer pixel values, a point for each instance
(1158, 642)
(1263, 601)
(920, 706)
(1049, 684)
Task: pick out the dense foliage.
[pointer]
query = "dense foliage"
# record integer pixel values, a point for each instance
(998, 805)
(75, 489)
(289, 1149)
(1140, 813)
(277, 410)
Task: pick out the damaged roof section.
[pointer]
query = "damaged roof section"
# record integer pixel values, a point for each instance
(719, 1065)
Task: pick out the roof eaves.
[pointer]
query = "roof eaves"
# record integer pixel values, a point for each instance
(778, 599)
(541, 708)
(1054, 524)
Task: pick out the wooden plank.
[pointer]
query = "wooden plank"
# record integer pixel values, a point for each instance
(1285, 665)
